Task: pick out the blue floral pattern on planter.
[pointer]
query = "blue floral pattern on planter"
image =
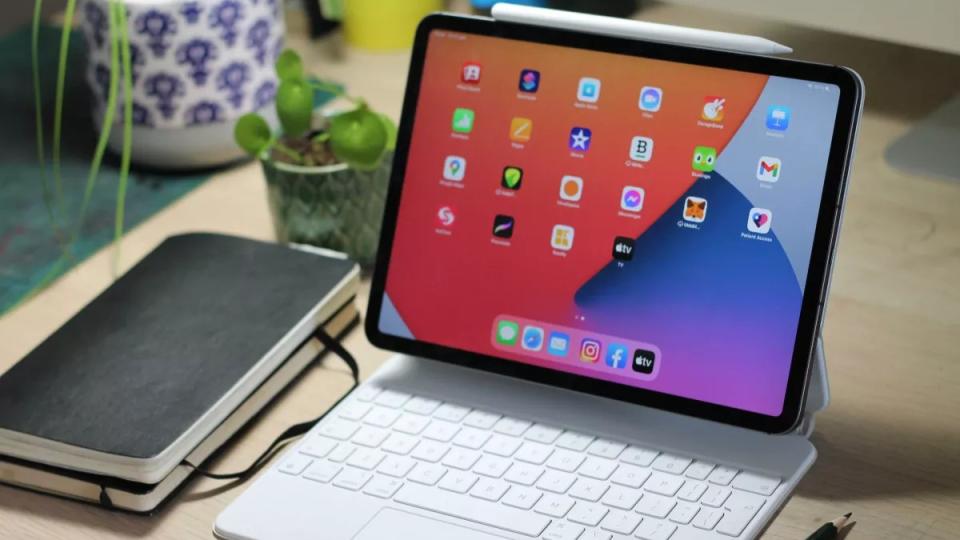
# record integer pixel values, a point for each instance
(191, 12)
(164, 87)
(196, 54)
(257, 38)
(141, 115)
(97, 20)
(232, 79)
(225, 16)
(159, 27)
(205, 112)
(264, 95)
(101, 77)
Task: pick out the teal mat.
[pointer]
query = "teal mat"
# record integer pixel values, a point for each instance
(29, 250)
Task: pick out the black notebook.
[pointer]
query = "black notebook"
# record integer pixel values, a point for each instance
(146, 371)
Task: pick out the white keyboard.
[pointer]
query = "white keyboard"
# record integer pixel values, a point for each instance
(526, 478)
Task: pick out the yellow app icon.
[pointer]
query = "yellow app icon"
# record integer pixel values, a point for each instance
(521, 129)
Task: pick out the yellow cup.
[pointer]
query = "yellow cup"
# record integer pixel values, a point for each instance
(384, 25)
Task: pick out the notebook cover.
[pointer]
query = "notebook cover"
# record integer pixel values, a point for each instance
(140, 364)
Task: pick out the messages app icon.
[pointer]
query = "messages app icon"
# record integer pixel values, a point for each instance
(507, 332)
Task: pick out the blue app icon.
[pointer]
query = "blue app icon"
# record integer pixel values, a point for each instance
(617, 356)
(580, 139)
(529, 80)
(532, 339)
(778, 117)
(558, 344)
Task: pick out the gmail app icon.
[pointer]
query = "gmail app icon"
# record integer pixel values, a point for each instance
(768, 169)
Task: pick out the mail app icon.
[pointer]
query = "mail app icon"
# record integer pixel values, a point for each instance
(768, 169)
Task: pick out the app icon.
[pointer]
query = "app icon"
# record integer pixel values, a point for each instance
(562, 237)
(462, 120)
(503, 226)
(571, 188)
(558, 343)
(650, 98)
(507, 332)
(512, 177)
(580, 139)
(529, 80)
(641, 148)
(589, 350)
(768, 169)
(521, 129)
(759, 220)
(778, 117)
(470, 73)
(695, 209)
(631, 199)
(532, 338)
(643, 361)
(588, 90)
(617, 355)
(713, 109)
(704, 158)
(454, 167)
(622, 248)
(446, 216)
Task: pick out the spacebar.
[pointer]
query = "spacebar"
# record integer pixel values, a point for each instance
(472, 509)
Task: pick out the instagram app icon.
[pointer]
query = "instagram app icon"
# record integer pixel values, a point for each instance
(589, 350)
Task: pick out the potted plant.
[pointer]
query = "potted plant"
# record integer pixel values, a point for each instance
(326, 175)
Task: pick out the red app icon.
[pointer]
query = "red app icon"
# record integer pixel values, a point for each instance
(470, 73)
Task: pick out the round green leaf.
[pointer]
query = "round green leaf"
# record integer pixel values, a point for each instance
(294, 106)
(252, 133)
(358, 137)
(391, 128)
(289, 66)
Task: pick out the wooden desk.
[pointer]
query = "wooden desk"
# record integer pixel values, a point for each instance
(889, 443)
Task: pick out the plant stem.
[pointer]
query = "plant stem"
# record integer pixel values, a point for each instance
(289, 152)
(127, 131)
(58, 104)
(38, 105)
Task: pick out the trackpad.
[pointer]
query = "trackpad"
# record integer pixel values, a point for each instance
(391, 524)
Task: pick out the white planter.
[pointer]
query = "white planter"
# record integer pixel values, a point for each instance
(197, 66)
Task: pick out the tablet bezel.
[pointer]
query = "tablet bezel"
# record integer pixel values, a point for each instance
(821, 254)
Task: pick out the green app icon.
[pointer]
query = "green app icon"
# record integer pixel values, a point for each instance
(507, 332)
(512, 177)
(703, 158)
(462, 120)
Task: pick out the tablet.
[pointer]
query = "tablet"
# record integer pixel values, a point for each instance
(645, 222)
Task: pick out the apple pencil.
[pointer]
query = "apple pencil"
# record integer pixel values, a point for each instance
(612, 26)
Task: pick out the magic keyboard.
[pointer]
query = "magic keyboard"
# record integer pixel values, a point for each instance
(523, 477)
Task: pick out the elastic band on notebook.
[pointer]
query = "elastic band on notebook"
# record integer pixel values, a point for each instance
(332, 345)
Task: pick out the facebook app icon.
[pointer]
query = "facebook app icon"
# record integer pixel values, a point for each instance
(617, 356)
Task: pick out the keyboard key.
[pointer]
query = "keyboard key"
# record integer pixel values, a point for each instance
(554, 505)
(317, 447)
(457, 481)
(707, 519)
(322, 471)
(461, 458)
(381, 416)
(630, 476)
(427, 474)
(411, 424)
(533, 452)
(622, 497)
(588, 490)
(522, 497)
(355, 410)
(715, 496)
(420, 405)
(565, 460)
(366, 459)
(598, 468)
(350, 478)
(489, 489)
(738, 512)
(370, 437)
(511, 426)
(392, 399)
(556, 481)
(700, 470)
(655, 505)
(398, 443)
(294, 464)
(652, 529)
(663, 484)
(502, 445)
(382, 486)
(756, 483)
(429, 451)
(620, 522)
(367, 392)
(472, 509)
(492, 466)
(451, 412)
(671, 463)
(587, 514)
(481, 419)
(561, 530)
(722, 475)
(683, 513)
(471, 438)
(341, 452)
(637, 455)
(606, 448)
(521, 473)
(543, 434)
(572, 440)
(596, 534)
(338, 429)
(691, 491)
(440, 430)
(397, 466)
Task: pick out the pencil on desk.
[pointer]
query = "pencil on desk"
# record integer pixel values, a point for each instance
(830, 529)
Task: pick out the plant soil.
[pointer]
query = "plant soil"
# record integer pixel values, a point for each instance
(314, 153)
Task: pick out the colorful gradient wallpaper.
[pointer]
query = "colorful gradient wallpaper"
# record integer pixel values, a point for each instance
(639, 221)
